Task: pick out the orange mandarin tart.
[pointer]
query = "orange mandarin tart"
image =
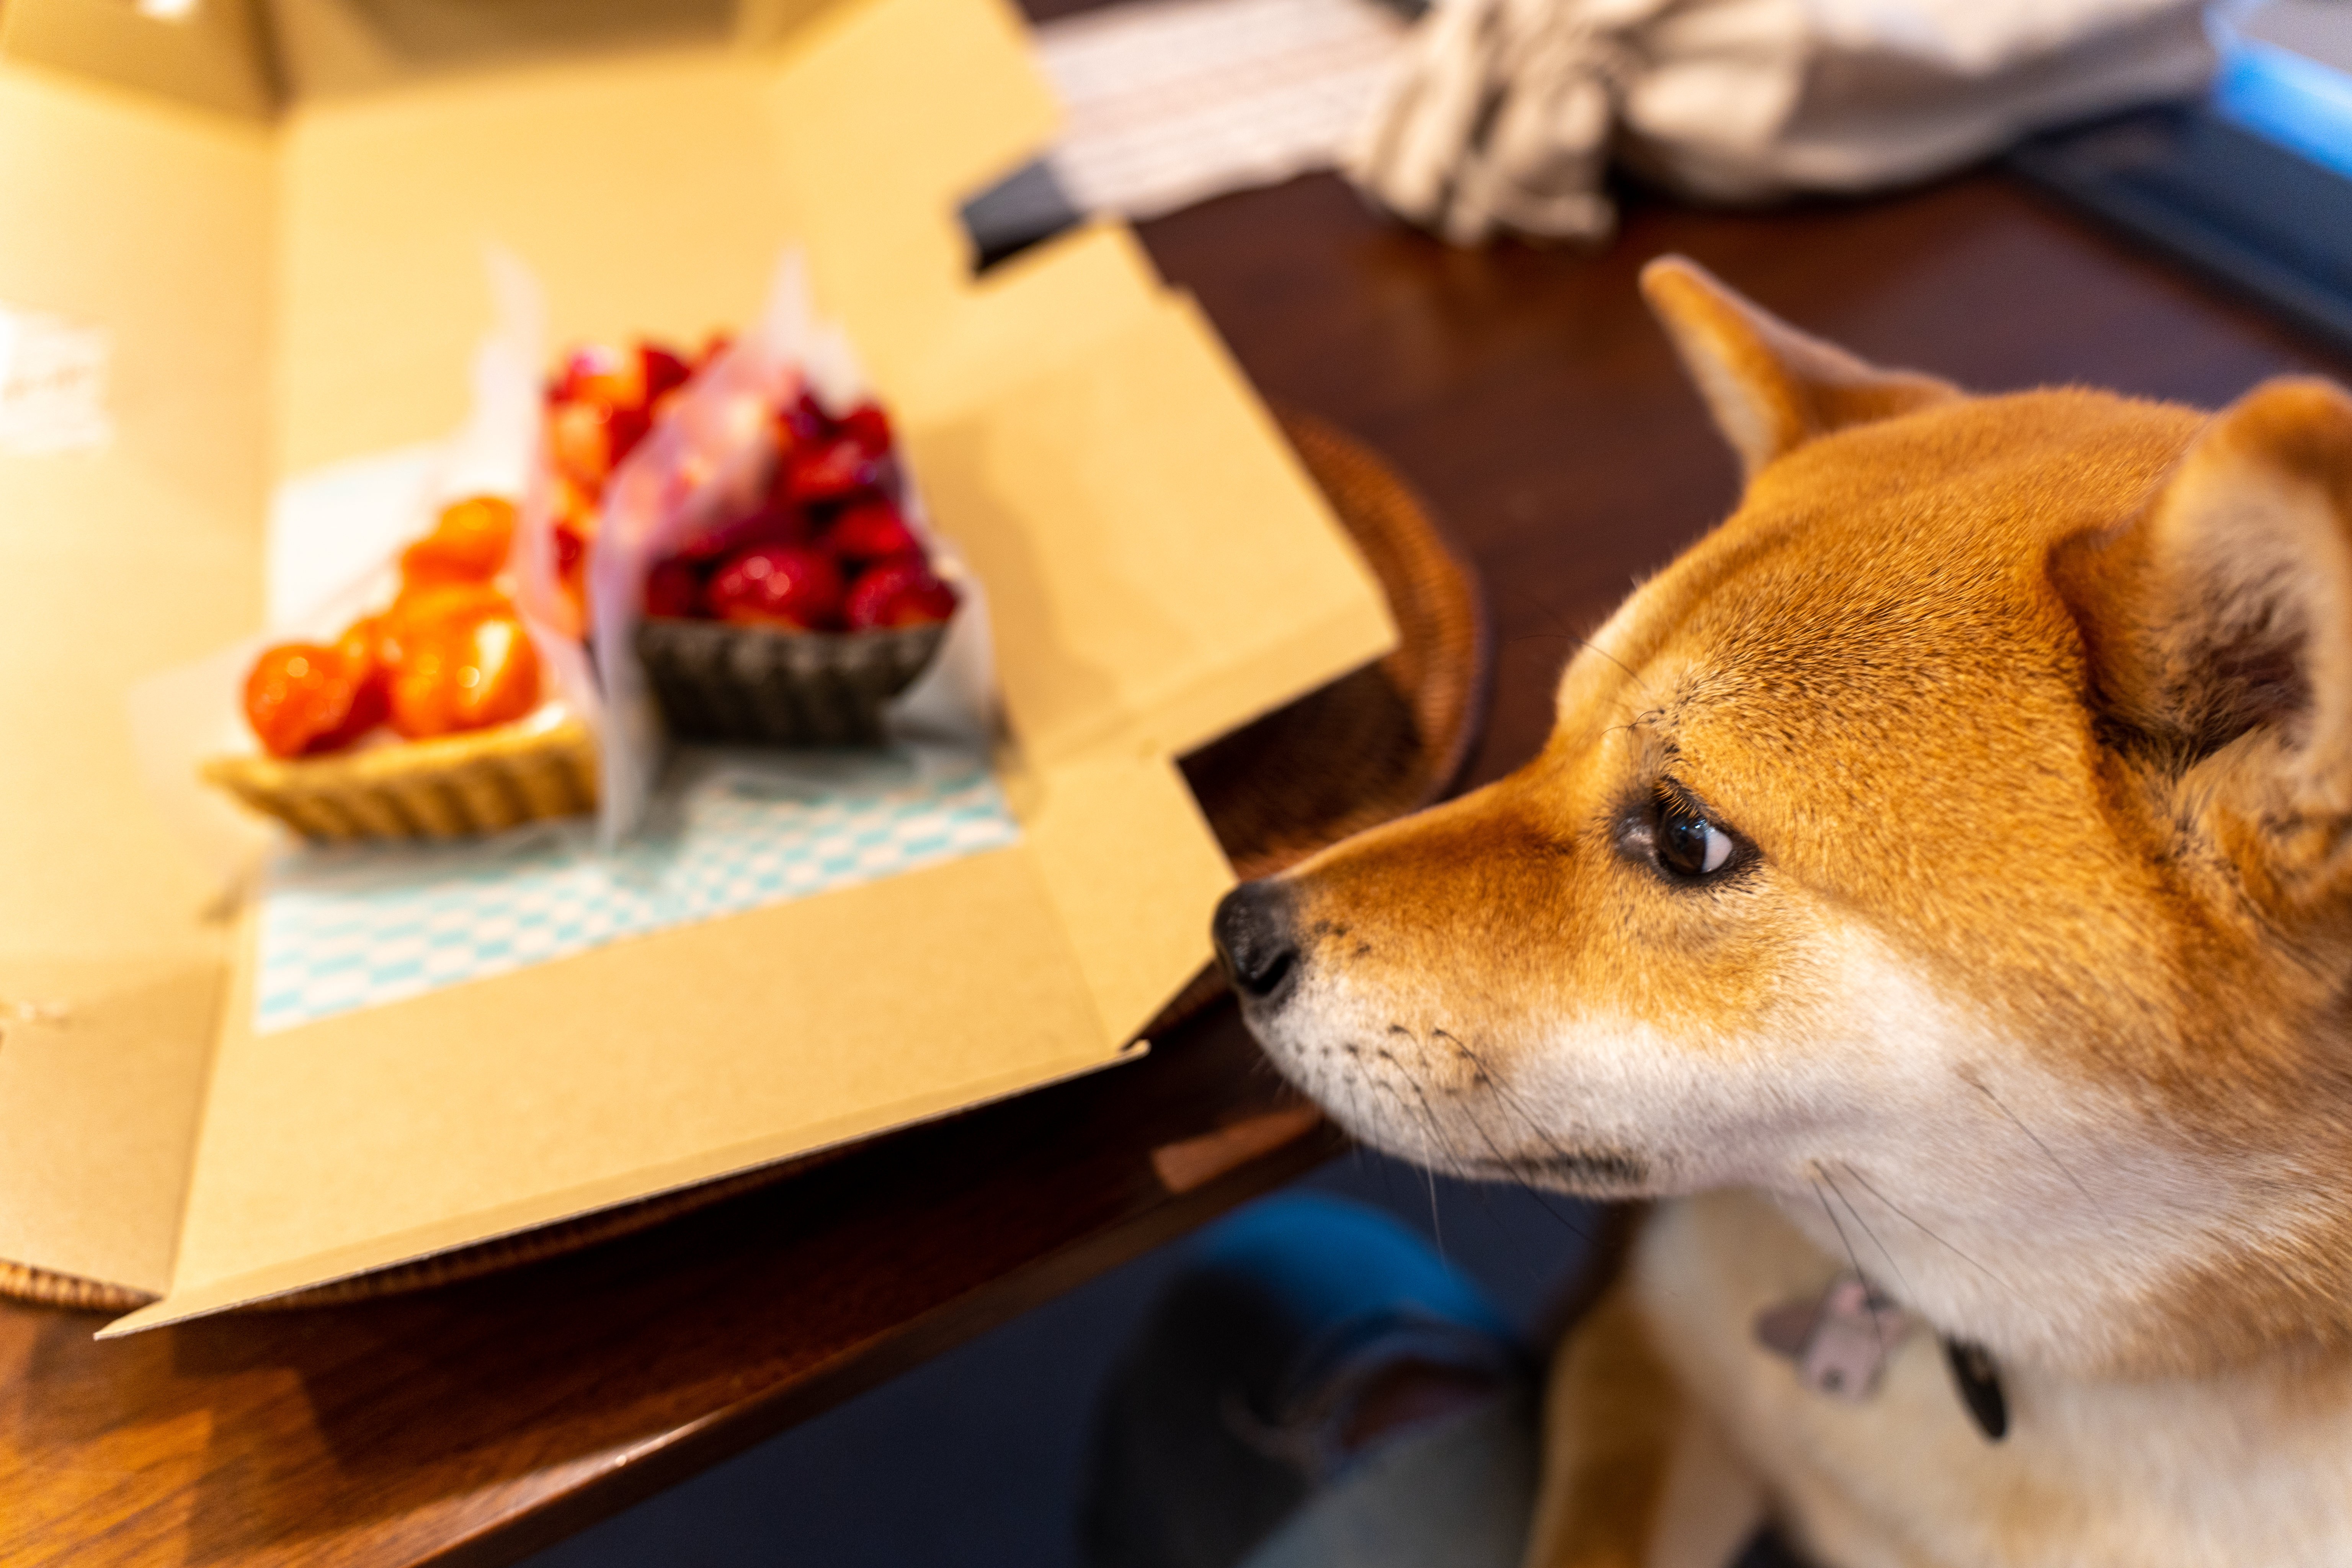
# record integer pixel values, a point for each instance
(450, 654)
(469, 543)
(459, 673)
(588, 440)
(368, 644)
(602, 372)
(437, 604)
(573, 504)
(302, 698)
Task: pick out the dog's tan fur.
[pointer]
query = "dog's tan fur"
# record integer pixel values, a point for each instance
(2026, 992)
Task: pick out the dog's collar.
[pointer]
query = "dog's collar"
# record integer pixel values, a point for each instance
(1978, 1380)
(1841, 1341)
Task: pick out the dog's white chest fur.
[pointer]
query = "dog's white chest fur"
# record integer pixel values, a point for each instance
(2252, 1469)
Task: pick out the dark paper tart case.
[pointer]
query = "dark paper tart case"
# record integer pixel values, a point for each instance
(723, 682)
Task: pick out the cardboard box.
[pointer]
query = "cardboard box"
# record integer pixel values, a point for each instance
(278, 226)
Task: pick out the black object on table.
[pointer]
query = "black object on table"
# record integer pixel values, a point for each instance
(2268, 222)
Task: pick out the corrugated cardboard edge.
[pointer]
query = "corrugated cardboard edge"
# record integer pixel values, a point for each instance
(376, 1254)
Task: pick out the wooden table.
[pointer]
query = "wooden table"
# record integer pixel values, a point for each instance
(1532, 402)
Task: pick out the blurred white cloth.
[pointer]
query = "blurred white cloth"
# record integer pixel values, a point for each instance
(1504, 113)
(52, 383)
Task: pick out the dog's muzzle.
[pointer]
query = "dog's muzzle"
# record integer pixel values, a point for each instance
(1255, 943)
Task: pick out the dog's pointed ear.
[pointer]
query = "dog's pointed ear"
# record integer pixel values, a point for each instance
(2226, 605)
(1771, 388)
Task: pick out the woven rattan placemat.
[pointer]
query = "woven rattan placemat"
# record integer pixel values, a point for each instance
(1387, 740)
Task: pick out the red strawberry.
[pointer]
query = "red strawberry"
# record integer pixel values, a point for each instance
(600, 374)
(786, 585)
(630, 426)
(673, 588)
(873, 531)
(829, 469)
(570, 547)
(807, 421)
(663, 370)
(869, 426)
(771, 525)
(898, 593)
(591, 438)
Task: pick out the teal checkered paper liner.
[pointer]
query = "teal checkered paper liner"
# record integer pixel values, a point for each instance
(353, 926)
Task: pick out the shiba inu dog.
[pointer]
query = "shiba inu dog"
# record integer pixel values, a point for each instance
(1938, 890)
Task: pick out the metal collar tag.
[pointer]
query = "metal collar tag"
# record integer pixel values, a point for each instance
(1840, 1341)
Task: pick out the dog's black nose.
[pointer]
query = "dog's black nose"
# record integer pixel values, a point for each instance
(1252, 935)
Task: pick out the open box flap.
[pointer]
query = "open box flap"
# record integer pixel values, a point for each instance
(1168, 572)
(328, 49)
(1137, 936)
(886, 118)
(214, 55)
(116, 557)
(439, 1237)
(562, 1086)
(610, 1081)
(358, 1258)
(1162, 568)
(389, 197)
(253, 58)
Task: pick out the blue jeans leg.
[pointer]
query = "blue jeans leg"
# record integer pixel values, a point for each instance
(1264, 1392)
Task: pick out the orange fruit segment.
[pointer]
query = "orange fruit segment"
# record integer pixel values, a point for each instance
(302, 698)
(469, 543)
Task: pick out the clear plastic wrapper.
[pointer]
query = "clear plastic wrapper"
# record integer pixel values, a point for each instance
(709, 456)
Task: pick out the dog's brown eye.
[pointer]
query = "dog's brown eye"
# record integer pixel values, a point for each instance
(1688, 845)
